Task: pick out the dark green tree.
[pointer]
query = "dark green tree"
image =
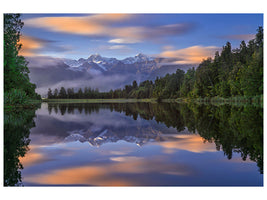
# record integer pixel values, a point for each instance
(55, 93)
(49, 94)
(134, 84)
(80, 93)
(70, 93)
(62, 93)
(16, 72)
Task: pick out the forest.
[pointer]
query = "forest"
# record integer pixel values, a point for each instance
(231, 73)
(18, 89)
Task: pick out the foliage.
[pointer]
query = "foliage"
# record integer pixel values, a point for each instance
(15, 96)
(17, 125)
(16, 72)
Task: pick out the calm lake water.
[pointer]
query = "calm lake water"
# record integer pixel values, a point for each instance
(134, 144)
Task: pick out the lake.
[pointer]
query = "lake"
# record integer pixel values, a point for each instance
(134, 144)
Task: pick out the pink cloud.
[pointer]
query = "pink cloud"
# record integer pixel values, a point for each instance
(102, 25)
(190, 55)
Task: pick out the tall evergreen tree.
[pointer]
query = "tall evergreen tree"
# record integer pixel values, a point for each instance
(15, 66)
(62, 93)
(49, 94)
(55, 93)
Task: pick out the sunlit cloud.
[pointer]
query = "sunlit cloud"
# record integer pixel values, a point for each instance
(123, 41)
(190, 55)
(33, 46)
(105, 25)
(85, 25)
(30, 45)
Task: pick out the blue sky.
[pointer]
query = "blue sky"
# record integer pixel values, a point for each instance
(189, 36)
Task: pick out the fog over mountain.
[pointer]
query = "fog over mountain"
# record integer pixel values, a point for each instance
(97, 71)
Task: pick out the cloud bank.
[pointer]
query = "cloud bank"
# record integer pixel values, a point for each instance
(190, 55)
(107, 25)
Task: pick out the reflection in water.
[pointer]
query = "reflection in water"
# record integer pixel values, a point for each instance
(138, 144)
(17, 124)
(232, 129)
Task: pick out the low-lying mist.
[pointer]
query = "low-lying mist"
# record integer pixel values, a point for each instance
(103, 83)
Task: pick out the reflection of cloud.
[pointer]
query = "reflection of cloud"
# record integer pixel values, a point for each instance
(193, 143)
(105, 25)
(112, 174)
(125, 158)
(190, 55)
(33, 157)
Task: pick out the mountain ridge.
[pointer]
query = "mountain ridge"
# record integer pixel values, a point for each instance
(98, 72)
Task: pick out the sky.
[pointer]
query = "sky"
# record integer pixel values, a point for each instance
(189, 37)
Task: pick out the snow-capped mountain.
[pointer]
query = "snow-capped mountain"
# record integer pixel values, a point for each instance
(102, 62)
(97, 71)
(96, 64)
(105, 62)
(139, 58)
(96, 58)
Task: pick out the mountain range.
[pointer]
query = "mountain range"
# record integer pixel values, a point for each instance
(97, 71)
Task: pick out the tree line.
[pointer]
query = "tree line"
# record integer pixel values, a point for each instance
(233, 72)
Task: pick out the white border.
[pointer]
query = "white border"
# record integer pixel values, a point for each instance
(126, 6)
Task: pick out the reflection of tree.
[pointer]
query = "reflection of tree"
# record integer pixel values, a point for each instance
(62, 108)
(231, 128)
(17, 124)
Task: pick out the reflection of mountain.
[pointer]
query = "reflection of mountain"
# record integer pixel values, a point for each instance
(71, 123)
(232, 129)
(99, 138)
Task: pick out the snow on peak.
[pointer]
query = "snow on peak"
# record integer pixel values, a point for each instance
(140, 55)
(95, 57)
(137, 59)
(104, 62)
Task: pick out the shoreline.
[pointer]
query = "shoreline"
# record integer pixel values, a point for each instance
(257, 100)
(99, 100)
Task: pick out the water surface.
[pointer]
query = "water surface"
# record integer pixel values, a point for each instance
(141, 144)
